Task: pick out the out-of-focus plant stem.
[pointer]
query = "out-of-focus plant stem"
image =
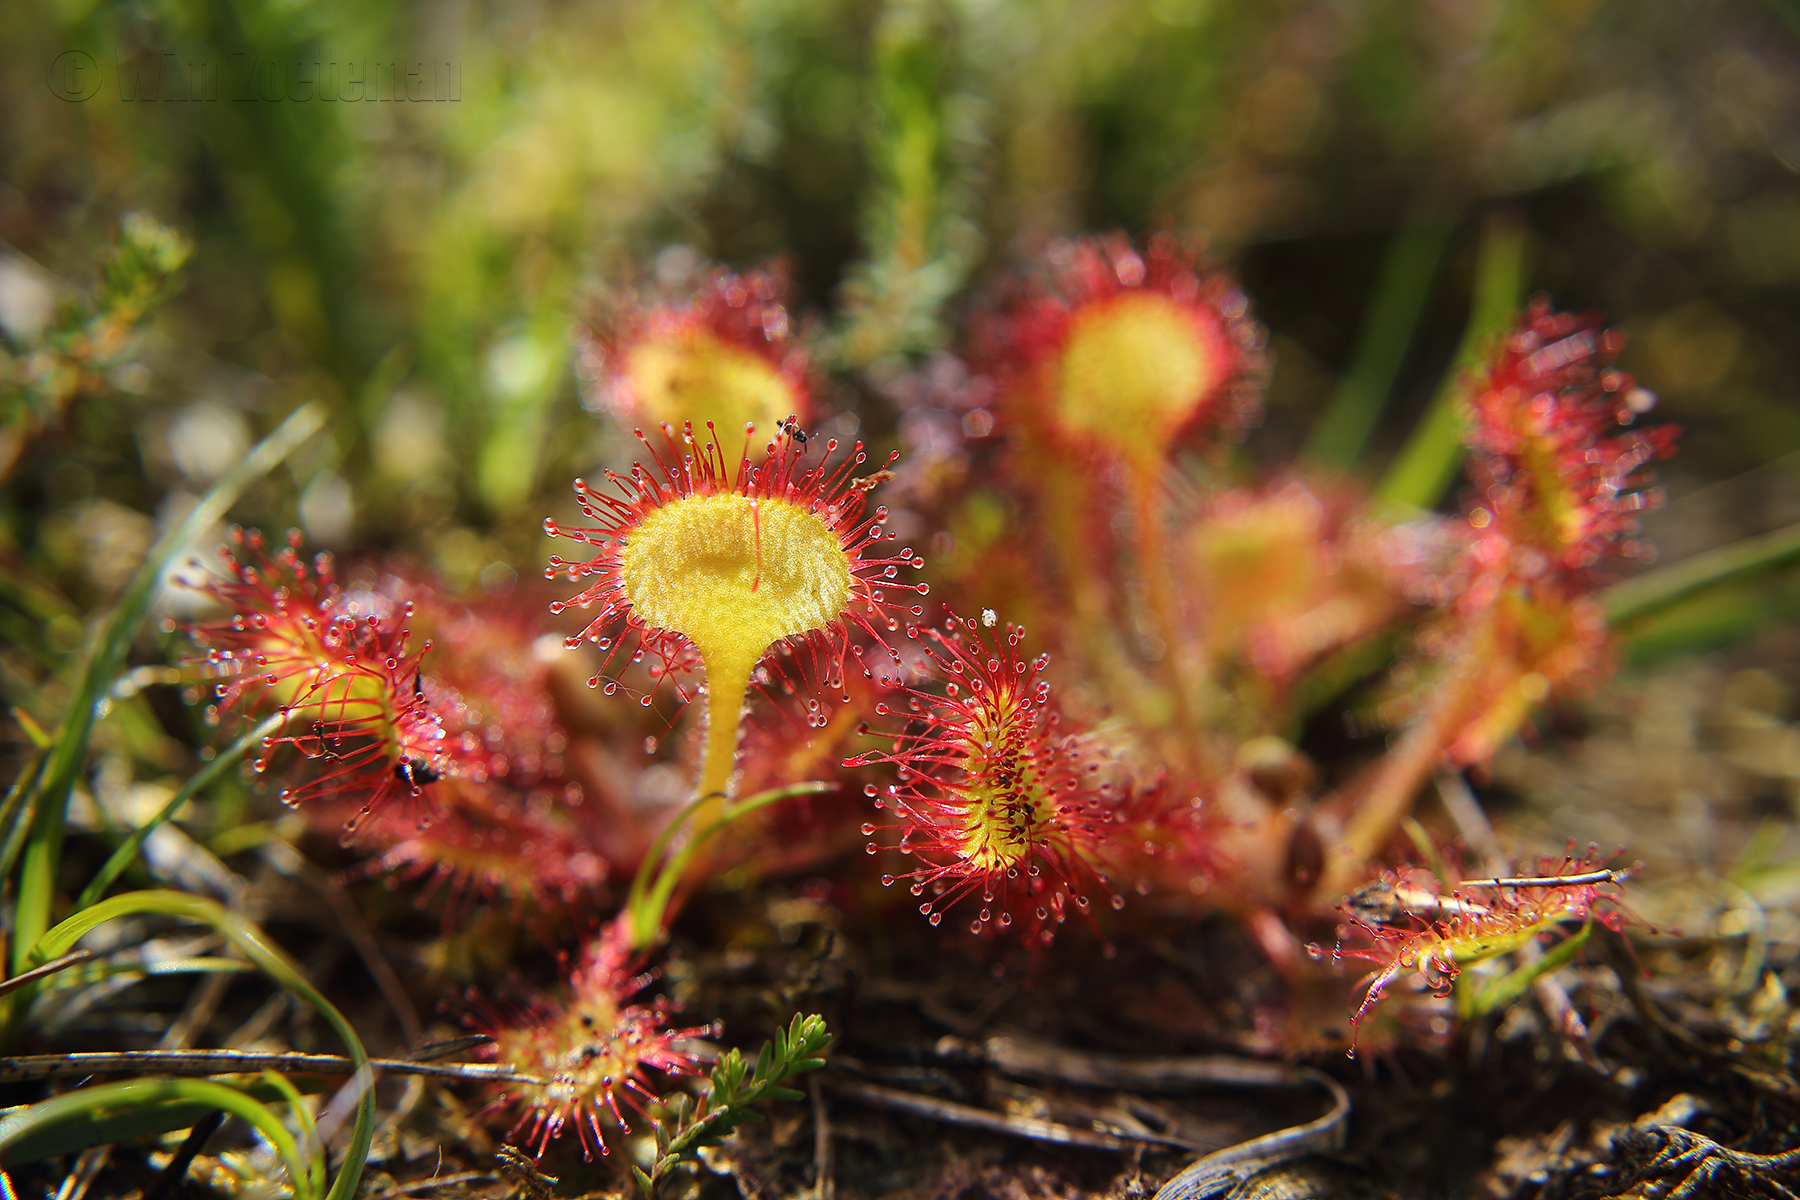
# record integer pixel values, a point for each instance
(662, 870)
(1657, 590)
(920, 246)
(1427, 463)
(1395, 781)
(1407, 272)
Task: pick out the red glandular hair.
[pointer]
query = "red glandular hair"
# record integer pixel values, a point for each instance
(994, 799)
(337, 662)
(589, 1045)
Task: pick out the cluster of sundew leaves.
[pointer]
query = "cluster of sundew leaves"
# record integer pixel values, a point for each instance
(1438, 928)
(994, 796)
(993, 799)
(1560, 486)
(1049, 343)
(588, 1047)
(469, 737)
(516, 820)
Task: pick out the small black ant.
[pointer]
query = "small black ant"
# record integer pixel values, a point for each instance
(414, 773)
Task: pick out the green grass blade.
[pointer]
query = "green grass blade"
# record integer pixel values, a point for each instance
(128, 850)
(43, 847)
(1407, 272)
(1498, 993)
(311, 1147)
(1427, 463)
(16, 814)
(101, 1128)
(1663, 588)
(87, 1104)
(271, 959)
(96, 972)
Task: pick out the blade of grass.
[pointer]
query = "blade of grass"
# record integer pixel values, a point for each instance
(128, 849)
(16, 814)
(40, 737)
(271, 959)
(101, 972)
(1663, 588)
(240, 838)
(1715, 618)
(1407, 272)
(147, 1119)
(43, 846)
(1427, 463)
(87, 1103)
(310, 1145)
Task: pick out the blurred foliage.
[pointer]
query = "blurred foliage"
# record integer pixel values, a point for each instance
(412, 262)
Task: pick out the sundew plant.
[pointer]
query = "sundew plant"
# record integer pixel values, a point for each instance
(1029, 775)
(927, 629)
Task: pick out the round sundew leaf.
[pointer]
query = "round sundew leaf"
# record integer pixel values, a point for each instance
(1139, 363)
(734, 573)
(692, 374)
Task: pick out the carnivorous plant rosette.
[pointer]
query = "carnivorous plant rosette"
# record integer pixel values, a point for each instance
(590, 1046)
(1560, 482)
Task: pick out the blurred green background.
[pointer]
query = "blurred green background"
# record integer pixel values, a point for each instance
(415, 263)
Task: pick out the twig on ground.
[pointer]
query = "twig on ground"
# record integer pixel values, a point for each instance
(232, 1062)
(824, 1187)
(48, 969)
(436, 1181)
(970, 1117)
